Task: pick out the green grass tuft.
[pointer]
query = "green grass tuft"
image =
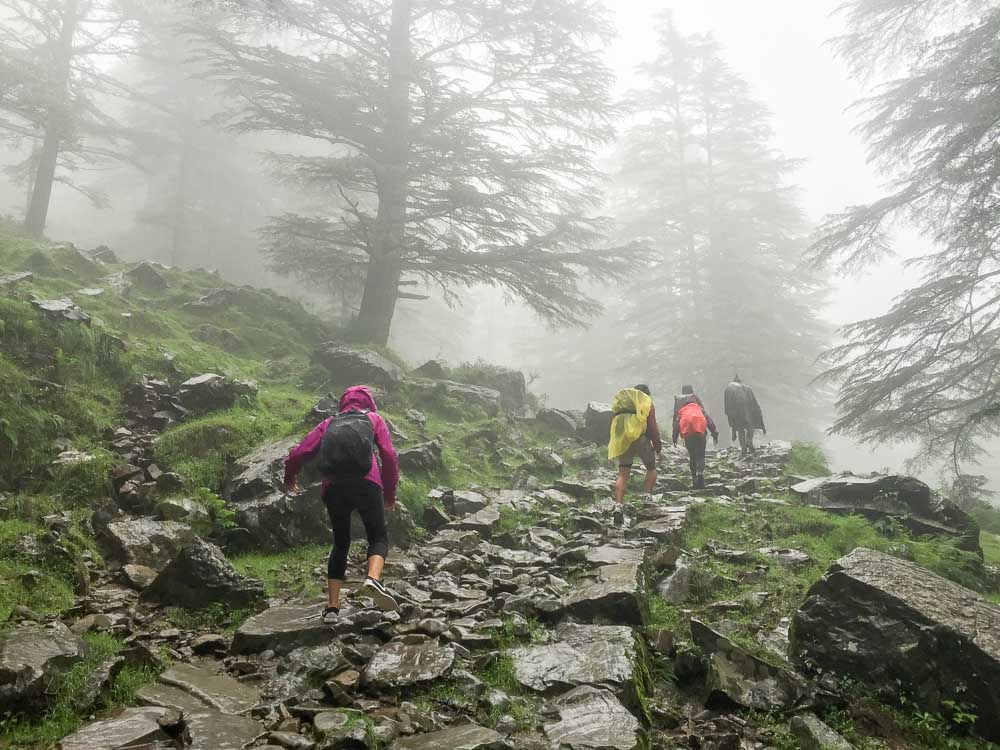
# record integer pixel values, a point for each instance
(807, 460)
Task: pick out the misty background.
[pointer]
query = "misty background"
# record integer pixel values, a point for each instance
(779, 47)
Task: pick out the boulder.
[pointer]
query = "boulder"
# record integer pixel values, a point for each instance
(398, 664)
(259, 472)
(597, 423)
(509, 383)
(813, 734)
(592, 719)
(892, 624)
(326, 407)
(423, 458)
(33, 660)
(358, 366)
(434, 369)
(182, 509)
(463, 737)
(905, 498)
(615, 596)
(214, 690)
(481, 522)
(602, 656)
(200, 577)
(145, 277)
(559, 421)
(145, 541)
(283, 629)
(16, 278)
(126, 728)
(209, 392)
(737, 678)
(61, 309)
(280, 521)
(303, 669)
(474, 396)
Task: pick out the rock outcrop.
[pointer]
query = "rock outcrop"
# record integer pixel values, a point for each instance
(905, 498)
(200, 577)
(597, 423)
(33, 660)
(358, 366)
(894, 625)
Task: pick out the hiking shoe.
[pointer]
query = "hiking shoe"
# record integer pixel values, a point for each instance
(647, 498)
(383, 599)
(331, 615)
(618, 517)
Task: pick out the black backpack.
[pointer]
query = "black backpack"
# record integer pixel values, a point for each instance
(347, 447)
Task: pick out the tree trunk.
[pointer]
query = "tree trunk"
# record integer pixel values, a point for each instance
(378, 304)
(56, 124)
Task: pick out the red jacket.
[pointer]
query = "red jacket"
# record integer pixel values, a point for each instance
(386, 476)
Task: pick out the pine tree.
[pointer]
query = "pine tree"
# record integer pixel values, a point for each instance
(455, 144)
(48, 61)
(700, 182)
(928, 367)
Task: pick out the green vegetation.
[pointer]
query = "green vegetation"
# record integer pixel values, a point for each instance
(286, 573)
(807, 460)
(823, 536)
(67, 713)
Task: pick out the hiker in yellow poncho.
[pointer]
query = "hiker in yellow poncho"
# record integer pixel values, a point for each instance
(634, 433)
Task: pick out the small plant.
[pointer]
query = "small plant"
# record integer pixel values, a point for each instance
(807, 460)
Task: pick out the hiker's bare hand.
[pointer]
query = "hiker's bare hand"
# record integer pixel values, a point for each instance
(292, 488)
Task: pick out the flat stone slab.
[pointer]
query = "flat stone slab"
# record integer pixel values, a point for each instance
(218, 691)
(210, 728)
(615, 596)
(887, 621)
(606, 555)
(598, 655)
(146, 541)
(481, 522)
(467, 737)
(283, 629)
(131, 727)
(398, 664)
(592, 719)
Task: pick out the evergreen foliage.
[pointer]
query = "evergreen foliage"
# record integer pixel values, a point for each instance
(926, 368)
(451, 141)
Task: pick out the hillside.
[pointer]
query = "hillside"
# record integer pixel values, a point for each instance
(150, 560)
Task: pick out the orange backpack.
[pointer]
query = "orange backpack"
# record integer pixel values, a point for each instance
(692, 420)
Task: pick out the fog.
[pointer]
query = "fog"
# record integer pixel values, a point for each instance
(779, 48)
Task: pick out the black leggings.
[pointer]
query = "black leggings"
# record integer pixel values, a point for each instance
(341, 499)
(695, 445)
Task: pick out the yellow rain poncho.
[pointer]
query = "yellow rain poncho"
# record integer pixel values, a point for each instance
(630, 409)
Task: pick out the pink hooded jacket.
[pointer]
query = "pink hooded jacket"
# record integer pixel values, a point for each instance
(356, 398)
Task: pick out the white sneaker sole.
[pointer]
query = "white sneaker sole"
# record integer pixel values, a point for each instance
(385, 602)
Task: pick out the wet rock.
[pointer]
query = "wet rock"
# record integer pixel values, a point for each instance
(813, 734)
(210, 392)
(283, 629)
(905, 498)
(599, 655)
(16, 278)
(127, 728)
(210, 644)
(208, 727)
(676, 587)
(465, 502)
(182, 509)
(738, 678)
(425, 457)
(145, 541)
(291, 741)
(892, 624)
(61, 309)
(435, 369)
(398, 664)
(592, 719)
(341, 729)
(145, 277)
(559, 421)
(788, 558)
(218, 691)
(280, 521)
(597, 423)
(509, 383)
(304, 668)
(33, 660)
(350, 366)
(615, 596)
(200, 577)
(465, 737)
(139, 576)
(481, 522)
(486, 399)
(435, 518)
(259, 472)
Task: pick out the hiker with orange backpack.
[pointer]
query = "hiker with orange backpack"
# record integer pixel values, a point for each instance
(692, 423)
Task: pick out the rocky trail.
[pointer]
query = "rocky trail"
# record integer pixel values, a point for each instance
(523, 624)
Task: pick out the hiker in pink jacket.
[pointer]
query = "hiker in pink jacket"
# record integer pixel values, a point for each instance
(356, 430)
